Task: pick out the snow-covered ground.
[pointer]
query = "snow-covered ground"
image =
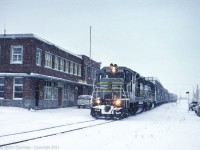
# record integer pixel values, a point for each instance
(169, 126)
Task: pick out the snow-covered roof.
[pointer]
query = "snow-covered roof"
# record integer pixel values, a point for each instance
(154, 80)
(29, 35)
(81, 55)
(35, 75)
(56, 78)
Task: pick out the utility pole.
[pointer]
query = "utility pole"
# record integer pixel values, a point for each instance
(188, 99)
(88, 64)
(90, 41)
(197, 93)
(4, 29)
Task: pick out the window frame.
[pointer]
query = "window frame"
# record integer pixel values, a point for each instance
(47, 90)
(56, 62)
(79, 70)
(14, 85)
(0, 54)
(11, 54)
(75, 69)
(50, 91)
(48, 60)
(66, 92)
(66, 66)
(38, 57)
(62, 62)
(71, 67)
(2, 84)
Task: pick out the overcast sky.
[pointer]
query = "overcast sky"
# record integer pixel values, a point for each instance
(153, 37)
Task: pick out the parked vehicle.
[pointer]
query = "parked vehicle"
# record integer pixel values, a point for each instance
(197, 109)
(84, 101)
(192, 105)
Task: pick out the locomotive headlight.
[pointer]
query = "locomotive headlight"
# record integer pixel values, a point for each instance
(118, 102)
(98, 101)
(113, 69)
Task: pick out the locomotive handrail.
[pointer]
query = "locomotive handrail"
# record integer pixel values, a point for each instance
(111, 83)
(110, 89)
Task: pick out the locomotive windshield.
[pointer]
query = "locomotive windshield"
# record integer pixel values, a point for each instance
(109, 88)
(108, 94)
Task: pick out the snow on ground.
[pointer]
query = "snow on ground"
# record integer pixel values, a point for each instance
(169, 126)
(14, 119)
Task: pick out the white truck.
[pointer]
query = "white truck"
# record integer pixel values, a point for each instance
(84, 101)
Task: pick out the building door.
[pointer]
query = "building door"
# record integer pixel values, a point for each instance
(80, 90)
(60, 90)
(37, 94)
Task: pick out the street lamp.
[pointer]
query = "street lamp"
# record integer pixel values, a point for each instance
(188, 99)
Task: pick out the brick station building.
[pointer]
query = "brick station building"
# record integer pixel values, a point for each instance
(35, 73)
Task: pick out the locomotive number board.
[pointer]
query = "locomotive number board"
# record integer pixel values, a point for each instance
(118, 70)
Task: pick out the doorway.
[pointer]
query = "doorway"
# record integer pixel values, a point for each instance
(60, 96)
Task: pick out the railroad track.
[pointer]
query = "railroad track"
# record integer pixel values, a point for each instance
(46, 128)
(21, 137)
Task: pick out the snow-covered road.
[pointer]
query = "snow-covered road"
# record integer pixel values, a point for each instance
(169, 126)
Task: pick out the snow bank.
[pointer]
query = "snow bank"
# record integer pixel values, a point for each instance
(169, 126)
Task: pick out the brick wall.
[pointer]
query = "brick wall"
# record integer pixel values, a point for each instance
(31, 84)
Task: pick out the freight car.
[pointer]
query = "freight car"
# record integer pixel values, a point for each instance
(121, 92)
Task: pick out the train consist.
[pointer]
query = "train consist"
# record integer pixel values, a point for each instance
(121, 92)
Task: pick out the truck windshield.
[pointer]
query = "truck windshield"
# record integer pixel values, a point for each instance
(84, 97)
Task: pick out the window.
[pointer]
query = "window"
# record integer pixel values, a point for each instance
(93, 73)
(71, 67)
(71, 93)
(66, 66)
(50, 91)
(16, 54)
(61, 64)
(54, 93)
(0, 53)
(18, 88)
(38, 57)
(75, 69)
(89, 72)
(47, 90)
(79, 70)
(48, 59)
(74, 66)
(56, 62)
(1, 88)
(66, 92)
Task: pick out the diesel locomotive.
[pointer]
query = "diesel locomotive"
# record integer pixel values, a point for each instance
(121, 92)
